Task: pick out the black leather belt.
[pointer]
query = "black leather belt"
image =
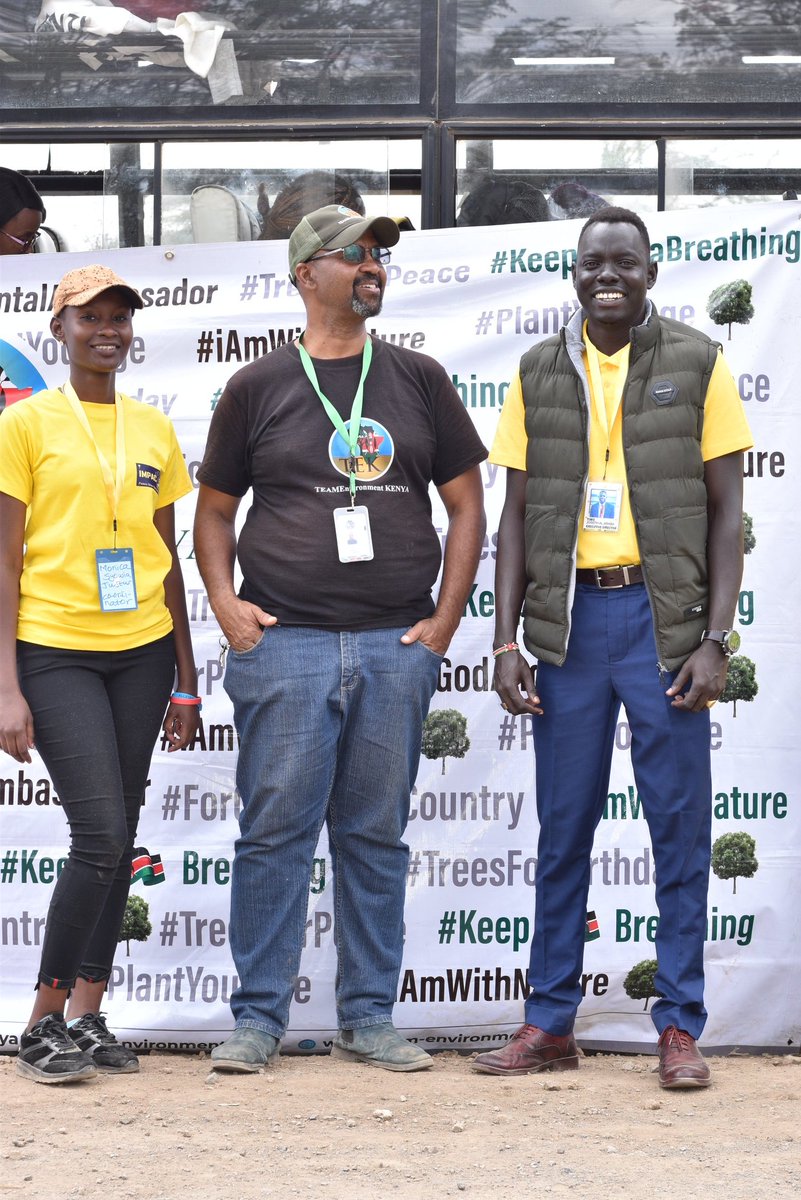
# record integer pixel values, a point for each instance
(610, 577)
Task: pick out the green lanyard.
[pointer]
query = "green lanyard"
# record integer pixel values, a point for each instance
(350, 436)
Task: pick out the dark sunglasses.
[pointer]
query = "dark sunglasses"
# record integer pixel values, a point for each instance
(27, 242)
(356, 254)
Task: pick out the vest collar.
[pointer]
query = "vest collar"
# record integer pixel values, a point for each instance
(643, 337)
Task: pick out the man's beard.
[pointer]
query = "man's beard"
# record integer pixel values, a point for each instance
(366, 308)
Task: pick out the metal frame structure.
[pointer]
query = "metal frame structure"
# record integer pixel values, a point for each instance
(438, 120)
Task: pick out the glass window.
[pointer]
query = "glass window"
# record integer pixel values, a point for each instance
(700, 173)
(520, 179)
(260, 190)
(97, 195)
(671, 51)
(232, 52)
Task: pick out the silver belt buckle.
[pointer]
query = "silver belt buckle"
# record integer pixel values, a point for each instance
(611, 587)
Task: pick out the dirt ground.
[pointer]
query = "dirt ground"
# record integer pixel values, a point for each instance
(316, 1127)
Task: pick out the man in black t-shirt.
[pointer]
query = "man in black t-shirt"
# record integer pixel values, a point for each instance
(335, 640)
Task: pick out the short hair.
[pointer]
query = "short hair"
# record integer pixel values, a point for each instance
(303, 194)
(611, 215)
(16, 193)
(501, 200)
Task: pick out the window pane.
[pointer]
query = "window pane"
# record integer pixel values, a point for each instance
(500, 182)
(97, 196)
(725, 171)
(270, 54)
(260, 190)
(670, 51)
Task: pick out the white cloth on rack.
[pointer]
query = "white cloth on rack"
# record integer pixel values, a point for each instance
(201, 36)
(205, 52)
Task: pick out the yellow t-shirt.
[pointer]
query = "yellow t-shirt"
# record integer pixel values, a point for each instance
(725, 430)
(48, 462)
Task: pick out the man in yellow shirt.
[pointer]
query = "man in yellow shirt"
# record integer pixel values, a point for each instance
(623, 440)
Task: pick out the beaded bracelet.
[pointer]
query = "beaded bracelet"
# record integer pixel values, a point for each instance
(505, 649)
(186, 698)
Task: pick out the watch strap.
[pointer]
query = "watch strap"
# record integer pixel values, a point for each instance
(728, 641)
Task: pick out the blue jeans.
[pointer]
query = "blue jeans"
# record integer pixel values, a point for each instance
(96, 718)
(611, 659)
(330, 728)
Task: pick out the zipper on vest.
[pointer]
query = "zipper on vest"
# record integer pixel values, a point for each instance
(662, 671)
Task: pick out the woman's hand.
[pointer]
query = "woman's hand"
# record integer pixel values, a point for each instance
(181, 725)
(16, 726)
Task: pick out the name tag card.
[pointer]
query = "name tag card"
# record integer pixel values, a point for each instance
(602, 506)
(354, 541)
(115, 580)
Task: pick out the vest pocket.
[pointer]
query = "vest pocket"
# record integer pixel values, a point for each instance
(540, 535)
(674, 556)
(678, 532)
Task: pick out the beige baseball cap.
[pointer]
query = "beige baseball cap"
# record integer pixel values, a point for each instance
(84, 283)
(331, 228)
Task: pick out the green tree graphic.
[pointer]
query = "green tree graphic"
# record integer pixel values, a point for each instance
(734, 857)
(136, 925)
(741, 682)
(731, 303)
(445, 735)
(749, 540)
(639, 983)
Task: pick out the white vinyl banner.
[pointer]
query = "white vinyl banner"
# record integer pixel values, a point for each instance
(475, 299)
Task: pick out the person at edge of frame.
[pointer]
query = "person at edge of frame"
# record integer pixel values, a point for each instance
(635, 609)
(22, 211)
(335, 640)
(93, 626)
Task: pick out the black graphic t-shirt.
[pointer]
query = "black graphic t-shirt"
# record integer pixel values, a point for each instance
(270, 433)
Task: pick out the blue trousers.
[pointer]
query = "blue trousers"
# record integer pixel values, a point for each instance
(330, 728)
(612, 660)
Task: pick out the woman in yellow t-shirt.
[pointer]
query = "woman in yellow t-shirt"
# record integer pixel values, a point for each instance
(93, 636)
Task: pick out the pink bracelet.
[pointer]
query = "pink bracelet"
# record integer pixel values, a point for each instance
(186, 698)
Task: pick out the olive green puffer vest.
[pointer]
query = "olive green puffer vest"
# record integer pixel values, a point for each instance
(663, 411)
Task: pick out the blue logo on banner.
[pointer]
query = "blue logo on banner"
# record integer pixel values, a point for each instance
(18, 376)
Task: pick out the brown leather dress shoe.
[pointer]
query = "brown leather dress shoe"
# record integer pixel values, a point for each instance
(681, 1064)
(530, 1050)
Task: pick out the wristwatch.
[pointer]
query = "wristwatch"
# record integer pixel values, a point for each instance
(727, 639)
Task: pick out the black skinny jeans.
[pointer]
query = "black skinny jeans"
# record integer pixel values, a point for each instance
(96, 717)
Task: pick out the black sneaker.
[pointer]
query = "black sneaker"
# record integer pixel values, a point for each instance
(91, 1034)
(48, 1054)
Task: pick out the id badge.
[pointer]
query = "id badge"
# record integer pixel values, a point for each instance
(602, 505)
(354, 542)
(115, 580)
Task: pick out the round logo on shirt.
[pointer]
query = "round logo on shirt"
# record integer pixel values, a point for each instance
(376, 450)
